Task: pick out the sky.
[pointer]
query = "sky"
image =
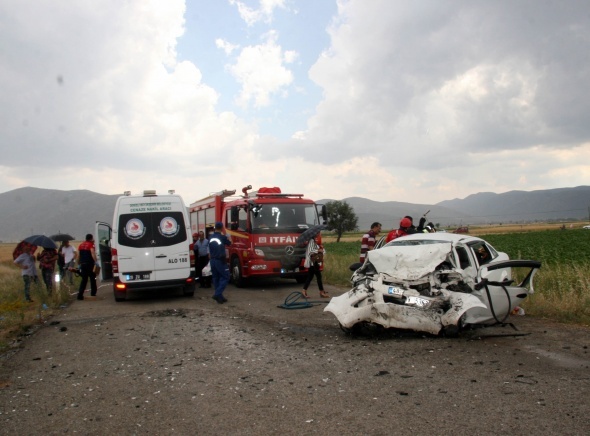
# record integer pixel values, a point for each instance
(388, 100)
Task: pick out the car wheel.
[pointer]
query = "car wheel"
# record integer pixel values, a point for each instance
(348, 330)
(120, 296)
(236, 273)
(369, 329)
(189, 290)
(450, 331)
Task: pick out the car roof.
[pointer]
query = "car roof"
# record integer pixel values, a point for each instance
(444, 237)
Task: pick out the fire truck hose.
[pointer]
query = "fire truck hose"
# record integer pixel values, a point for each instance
(296, 300)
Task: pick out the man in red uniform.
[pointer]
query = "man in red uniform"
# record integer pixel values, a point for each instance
(404, 226)
(86, 258)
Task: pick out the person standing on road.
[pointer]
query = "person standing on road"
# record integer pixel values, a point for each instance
(69, 255)
(369, 240)
(86, 258)
(219, 269)
(314, 257)
(201, 248)
(26, 262)
(47, 260)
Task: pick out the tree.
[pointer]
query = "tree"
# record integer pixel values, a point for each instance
(341, 217)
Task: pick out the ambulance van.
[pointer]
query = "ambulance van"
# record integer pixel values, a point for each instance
(148, 246)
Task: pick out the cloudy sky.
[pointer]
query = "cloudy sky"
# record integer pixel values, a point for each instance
(418, 101)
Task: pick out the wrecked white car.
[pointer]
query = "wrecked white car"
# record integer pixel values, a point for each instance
(434, 283)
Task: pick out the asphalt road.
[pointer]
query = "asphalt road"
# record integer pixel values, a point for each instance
(174, 365)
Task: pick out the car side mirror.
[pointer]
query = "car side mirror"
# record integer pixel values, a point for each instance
(355, 266)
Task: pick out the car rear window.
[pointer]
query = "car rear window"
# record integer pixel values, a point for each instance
(152, 229)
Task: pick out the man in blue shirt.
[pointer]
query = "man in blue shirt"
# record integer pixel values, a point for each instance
(218, 262)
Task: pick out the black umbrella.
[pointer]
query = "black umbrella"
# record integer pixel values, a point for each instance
(60, 237)
(309, 234)
(40, 241)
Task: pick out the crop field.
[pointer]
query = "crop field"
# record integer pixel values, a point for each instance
(550, 246)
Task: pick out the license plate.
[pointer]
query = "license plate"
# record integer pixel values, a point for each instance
(284, 271)
(417, 301)
(139, 276)
(392, 290)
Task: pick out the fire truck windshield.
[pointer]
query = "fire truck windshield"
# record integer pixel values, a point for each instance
(283, 217)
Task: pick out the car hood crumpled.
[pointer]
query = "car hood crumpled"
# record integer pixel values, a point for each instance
(409, 262)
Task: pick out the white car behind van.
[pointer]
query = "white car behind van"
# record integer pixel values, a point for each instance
(148, 245)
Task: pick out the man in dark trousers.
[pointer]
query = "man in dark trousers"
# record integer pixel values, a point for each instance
(86, 257)
(218, 262)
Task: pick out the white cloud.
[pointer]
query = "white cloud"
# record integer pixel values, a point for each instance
(264, 13)
(420, 102)
(226, 46)
(261, 72)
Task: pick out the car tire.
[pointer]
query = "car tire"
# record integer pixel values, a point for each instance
(189, 290)
(120, 296)
(236, 273)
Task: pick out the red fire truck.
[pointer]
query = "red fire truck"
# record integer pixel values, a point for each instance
(264, 227)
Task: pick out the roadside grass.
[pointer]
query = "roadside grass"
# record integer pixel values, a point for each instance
(562, 285)
(17, 317)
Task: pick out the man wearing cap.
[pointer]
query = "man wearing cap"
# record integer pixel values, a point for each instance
(404, 227)
(218, 262)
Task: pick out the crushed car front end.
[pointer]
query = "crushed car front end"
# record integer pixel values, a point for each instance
(422, 287)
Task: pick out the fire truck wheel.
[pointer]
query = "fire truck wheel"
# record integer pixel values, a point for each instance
(236, 273)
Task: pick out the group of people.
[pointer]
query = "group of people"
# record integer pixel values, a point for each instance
(406, 227)
(211, 250)
(66, 258)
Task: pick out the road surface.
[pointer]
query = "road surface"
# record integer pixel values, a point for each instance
(164, 364)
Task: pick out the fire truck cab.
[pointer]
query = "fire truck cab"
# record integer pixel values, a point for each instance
(264, 227)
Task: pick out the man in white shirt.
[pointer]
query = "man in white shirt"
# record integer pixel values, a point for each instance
(69, 254)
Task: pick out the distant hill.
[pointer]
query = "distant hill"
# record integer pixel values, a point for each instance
(27, 211)
(481, 208)
(518, 206)
(389, 213)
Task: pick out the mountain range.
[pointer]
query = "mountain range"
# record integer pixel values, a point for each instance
(28, 211)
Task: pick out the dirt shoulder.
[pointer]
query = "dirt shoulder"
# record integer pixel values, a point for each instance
(175, 365)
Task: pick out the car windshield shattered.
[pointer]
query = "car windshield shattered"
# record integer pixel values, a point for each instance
(432, 284)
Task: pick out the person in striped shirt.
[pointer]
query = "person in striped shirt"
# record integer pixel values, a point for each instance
(369, 240)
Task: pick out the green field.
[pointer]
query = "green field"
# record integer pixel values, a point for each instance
(552, 247)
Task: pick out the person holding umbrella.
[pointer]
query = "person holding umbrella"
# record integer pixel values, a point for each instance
(26, 262)
(86, 258)
(47, 260)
